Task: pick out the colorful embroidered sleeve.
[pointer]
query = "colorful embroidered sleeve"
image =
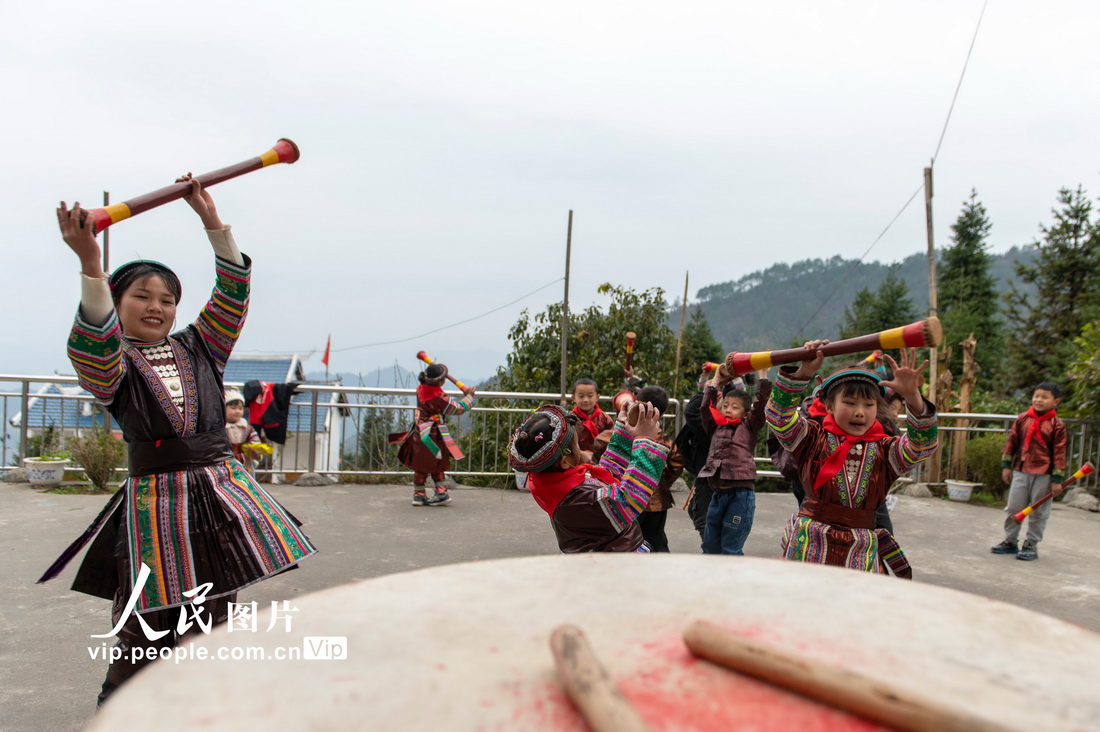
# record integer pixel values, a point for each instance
(96, 354)
(919, 442)
(623, 501)
(220, 322)
(616, 457)
(458, 406)
(787, 423)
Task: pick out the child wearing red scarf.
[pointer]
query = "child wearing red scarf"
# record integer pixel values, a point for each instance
(591, 419)
(427, 448)
(593, 508)
(1034, 464)
(848, 462)
(730, 470)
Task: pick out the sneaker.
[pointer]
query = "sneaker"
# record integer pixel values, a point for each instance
(440, 499)
(1005, 547)
(419, 499)
(1029, 553)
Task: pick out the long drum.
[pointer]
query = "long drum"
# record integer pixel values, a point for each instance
(284, 151)
(923, 333)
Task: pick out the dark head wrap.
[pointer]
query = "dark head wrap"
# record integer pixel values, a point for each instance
(130, 272)
(434, 375)
(538, 443)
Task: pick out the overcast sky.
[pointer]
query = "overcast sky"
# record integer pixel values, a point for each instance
(444, 143)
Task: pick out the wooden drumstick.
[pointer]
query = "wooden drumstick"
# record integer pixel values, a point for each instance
(878, 699)
(589, 686)
(428, 360)
(925, 332)
(1084, 470)
(284, 151)
(630, 336)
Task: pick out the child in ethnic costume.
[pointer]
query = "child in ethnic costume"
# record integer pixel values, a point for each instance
(592, 508)
(239, 430)
(428, 447)
(593, 420)
(848, 462)
(730, 469)
(189, 517)
(1034, 464)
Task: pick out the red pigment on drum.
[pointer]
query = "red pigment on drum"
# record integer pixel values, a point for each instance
(678, 691)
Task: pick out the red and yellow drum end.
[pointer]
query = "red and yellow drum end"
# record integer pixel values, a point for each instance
(285, 151)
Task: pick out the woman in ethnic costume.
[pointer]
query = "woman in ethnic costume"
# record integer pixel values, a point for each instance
(847, 463)
(428, 447)
(188, 517)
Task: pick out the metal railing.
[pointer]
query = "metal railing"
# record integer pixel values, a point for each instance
(357, 444)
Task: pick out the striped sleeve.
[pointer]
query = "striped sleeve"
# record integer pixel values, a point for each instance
(616, 457)
(220, 322)
(96, 353)
(918, 443)
(458, 406)
(623, 501)
(788, 425)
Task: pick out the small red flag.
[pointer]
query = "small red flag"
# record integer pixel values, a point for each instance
(328, 344)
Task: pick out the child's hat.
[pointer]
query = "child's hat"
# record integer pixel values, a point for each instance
(847, 376)
(232, 395)
(539, 441)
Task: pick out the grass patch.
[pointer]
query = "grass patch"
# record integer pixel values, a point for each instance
(79, 489)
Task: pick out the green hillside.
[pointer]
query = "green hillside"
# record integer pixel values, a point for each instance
(774, 307)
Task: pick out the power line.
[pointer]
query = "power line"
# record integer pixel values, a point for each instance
(943, 133)
(959, 85)
(437, 330)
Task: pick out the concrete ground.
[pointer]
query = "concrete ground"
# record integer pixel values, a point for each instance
(48, 680)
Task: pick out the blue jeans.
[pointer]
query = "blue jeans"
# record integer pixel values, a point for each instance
(729, 521)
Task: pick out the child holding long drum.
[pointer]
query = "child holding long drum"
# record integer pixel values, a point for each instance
(848, 462)
(189, 524)
(427, 448)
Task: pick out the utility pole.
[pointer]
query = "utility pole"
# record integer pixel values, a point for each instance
(565, 307)
(933, 356)
(679, 340)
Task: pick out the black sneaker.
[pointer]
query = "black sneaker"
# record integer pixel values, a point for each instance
(1029, 553)
(419, 499)
(440, 499)
(1005, 547)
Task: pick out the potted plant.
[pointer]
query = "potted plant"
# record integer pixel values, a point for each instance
(48, 467)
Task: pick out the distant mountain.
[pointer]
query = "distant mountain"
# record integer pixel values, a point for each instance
(774, 307)
(393, 377)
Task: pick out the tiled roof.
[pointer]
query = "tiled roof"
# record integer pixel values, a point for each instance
(44, 410)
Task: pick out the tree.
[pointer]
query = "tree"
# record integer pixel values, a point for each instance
(1084, 370)
(889, 306)
(697, 347)
(596, 345)
(1066, 278)
(968, 301)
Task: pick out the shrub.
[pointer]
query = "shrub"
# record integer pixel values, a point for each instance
(983, 463)
(99, 453)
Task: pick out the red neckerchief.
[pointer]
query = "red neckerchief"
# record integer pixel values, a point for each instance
(549, 488)
(589, 421)
(832, 465)
(1034, 430)
(426, 393)
(720, 419)
(817, 409)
